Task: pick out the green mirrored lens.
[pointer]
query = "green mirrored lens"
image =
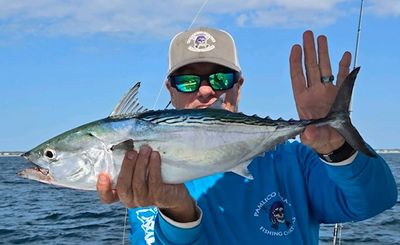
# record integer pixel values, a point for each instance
(222, 81)
(187, 83)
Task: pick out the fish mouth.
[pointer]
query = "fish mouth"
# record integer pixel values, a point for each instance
(36, 169)
(43, 171)
(37, 173)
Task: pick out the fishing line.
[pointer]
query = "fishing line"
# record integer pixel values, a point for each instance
(158, 96)
(337, 230)
(125, 218)
(197, 14)
(190, 26)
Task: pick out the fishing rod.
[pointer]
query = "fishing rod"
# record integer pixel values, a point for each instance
(358, 34)
(337, 230)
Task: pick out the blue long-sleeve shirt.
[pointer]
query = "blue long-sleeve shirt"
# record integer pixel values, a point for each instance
(293, 191)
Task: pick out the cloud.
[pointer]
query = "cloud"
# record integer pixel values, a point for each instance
(71, 18)
(158, 18)
(285, 18)
(385, 7)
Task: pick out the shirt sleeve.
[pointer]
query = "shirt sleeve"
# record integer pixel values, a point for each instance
(353, 191)
(168, 231)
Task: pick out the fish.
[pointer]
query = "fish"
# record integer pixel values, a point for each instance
(192, 143)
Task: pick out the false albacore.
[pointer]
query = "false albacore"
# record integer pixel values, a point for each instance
(192, 142)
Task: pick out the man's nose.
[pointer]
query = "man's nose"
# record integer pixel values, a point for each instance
(205, 88)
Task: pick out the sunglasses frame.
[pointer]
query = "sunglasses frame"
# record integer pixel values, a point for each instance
(236, 77)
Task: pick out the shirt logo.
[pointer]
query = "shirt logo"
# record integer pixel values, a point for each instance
(147, 217)
(275, 214)
(201, 41)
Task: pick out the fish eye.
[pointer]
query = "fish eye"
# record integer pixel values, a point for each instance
(50, 154)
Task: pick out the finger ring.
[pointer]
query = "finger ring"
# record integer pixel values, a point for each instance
(327, 79)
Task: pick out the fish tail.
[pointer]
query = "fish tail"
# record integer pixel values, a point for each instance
(340, 112)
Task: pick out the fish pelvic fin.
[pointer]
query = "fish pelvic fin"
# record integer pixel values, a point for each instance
(339, 116)
(242, 170)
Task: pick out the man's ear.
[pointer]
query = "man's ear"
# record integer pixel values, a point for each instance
(169, 87)
(241, 81)
(170, 90)
(240, 84)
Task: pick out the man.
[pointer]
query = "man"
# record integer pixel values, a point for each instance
(295, 187)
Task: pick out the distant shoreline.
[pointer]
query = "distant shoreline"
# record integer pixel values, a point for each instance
(11, 153)
(19, 153)
(386, 151)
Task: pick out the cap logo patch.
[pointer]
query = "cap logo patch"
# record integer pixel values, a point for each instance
(201, 41)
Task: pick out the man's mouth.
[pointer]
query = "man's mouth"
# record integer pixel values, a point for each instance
(207, 105)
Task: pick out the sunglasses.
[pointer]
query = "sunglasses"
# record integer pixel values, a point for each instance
(217, 81)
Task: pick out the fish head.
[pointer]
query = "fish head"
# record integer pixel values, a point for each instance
(67, 160)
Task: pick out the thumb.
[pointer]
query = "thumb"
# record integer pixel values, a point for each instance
(310, 135)
(104, 189)
(315, 137)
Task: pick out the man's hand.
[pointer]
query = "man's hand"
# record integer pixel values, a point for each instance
(140, 184)
(314, 98)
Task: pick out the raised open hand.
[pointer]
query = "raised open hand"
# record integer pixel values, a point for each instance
(312, 96)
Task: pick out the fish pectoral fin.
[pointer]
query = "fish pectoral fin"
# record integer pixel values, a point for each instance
(116, 154)
(242, 170)
(129, 104)
(125, 145)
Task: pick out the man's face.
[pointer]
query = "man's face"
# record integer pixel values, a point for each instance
(205, 96)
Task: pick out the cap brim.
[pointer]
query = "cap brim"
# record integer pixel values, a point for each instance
(205, 59)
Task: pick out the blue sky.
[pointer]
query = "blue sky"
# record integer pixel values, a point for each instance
(65, 63)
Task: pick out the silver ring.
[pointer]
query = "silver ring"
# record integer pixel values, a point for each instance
(327, 79)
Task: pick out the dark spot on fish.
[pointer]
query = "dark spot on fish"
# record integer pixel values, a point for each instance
(91, 134)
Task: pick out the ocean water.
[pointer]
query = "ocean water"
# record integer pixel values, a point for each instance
(381, 229)
(34, 213)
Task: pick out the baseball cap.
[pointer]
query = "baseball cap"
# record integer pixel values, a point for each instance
(202, 45)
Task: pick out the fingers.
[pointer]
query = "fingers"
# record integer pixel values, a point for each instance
(155, 169)
(296, 70)
(310, 60)
(344, 68)
(323, 57)
(155, 179)
(104, 189)
(139, 181)
(316, 66)
(124, 182)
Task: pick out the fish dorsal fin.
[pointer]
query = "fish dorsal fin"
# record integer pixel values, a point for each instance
(219, 103)
(129, 104)
(242, 170)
